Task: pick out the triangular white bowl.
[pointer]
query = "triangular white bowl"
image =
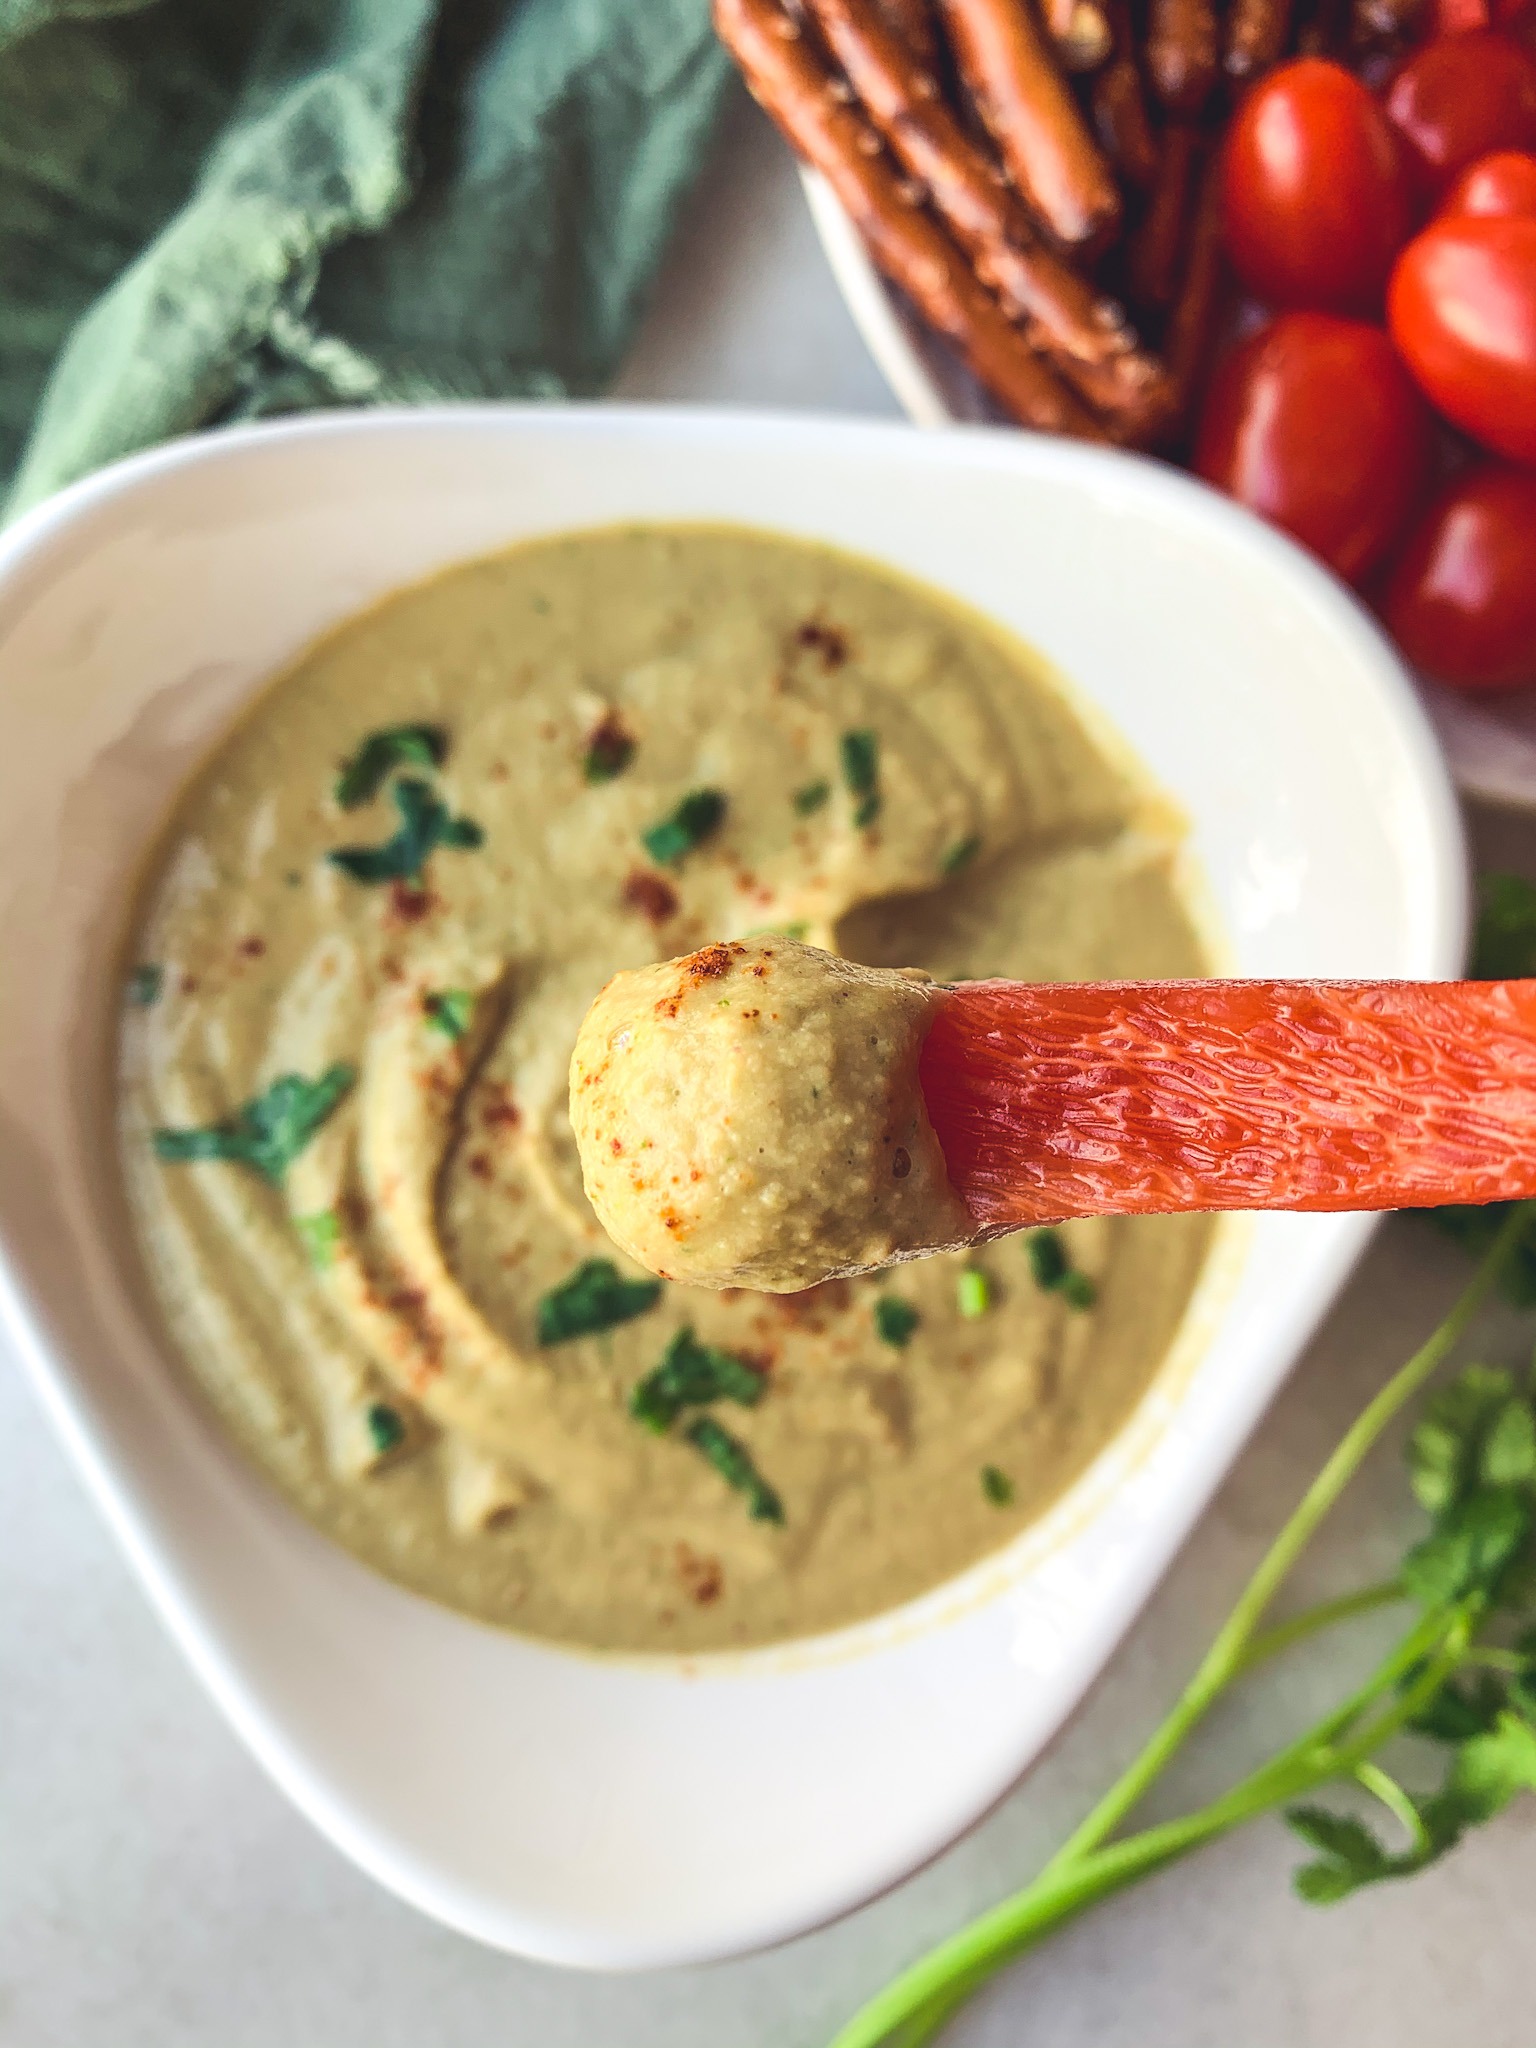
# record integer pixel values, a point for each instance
(624, 1813)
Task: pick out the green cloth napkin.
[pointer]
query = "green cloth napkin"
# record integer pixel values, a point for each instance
(217, 209)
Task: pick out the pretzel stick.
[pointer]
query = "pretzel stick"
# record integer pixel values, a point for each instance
(1181, 53)
(1256, 34)
(1197, 314)
(1084, 333)
(912, 21)
(1033, 118)
(1120, 107)
(1080, 31)
(784, 73)
(1158, 250)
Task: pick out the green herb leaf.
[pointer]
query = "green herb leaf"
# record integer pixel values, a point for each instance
(610, 749)
(1351, 1855)
(145, 984)
(1475, 1229)
(1460, 1709)
(1051, 1264)
(960, 855)
(810, 798)
(732, 1460)
(425, 824)
(1469, 1547)
(395, 746)
(270, 1131)
(859, 753)
(895, 1320)
(319, 1234)
(691, 1375)
(973, 1292)
(1445, 1448)
(996, 1485)
(596, 1297)
(695, 819)
(450, 1011)
(1504, 944)
(385, 1427)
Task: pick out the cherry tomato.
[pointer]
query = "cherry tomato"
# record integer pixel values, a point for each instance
(1461, 97)
(1316, 200)
(1461, 600)
(1462, 308)
(1314, 423)
(1497, 187)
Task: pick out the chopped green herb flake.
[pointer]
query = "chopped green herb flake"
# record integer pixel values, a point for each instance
(396, 746)
(596, 1297)
(385, 1427)
(319, 1234)
(145, 984)
(541, 604)
(449, 1010)
(1504, 945)
(996, 1485)
(810, 798)
(425, 823)
(1078, 1291)
(895, 1320)
(695, 819)
(733, 1461)
(610, 749)
(1048, 1259)
(690, 1375)
(796, 929)
(270, 1131)
(973, 1292)
(960, 855)
(860, 755)
(1051, 1264)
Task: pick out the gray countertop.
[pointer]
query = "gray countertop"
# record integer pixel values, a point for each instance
(156, 1892)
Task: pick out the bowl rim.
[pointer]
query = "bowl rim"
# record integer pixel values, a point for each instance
(24, 545)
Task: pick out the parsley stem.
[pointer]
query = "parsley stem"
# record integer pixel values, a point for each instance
(1224, 1658)
(1088, 1867)
(1385, 1788)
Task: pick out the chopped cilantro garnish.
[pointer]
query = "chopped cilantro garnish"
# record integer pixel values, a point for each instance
(895, 1320)
(610, 749)
(733, 1461)
(797, 928)
(996, 1485)
(319, 1234)
(1054, 1272)
(690, 1375)
(860, 755)
(973, 1292)
(396, 746)
(385, 1427)
(596, 1297)
(960, 855)
(810, 798)
(696, 817)
(145, 983)
(449, 1010)
(425, 823)
(268, 1132)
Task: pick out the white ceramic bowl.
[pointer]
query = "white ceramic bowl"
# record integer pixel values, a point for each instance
(616, 1813)
(1490, 741)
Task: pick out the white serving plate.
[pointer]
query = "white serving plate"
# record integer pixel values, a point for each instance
(620, 1813)
(1490, 741)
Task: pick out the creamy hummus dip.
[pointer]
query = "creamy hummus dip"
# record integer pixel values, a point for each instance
(363, 954)
(751, 1116)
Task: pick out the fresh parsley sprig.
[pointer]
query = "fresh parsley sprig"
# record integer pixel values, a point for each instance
(1462, 1672)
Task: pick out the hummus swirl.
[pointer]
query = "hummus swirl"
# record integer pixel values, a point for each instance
(751, 1117)
(361, 960)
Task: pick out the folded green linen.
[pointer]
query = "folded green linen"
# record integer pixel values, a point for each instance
(217, 209)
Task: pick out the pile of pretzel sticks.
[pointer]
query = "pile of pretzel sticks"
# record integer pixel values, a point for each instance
(1043, 187)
